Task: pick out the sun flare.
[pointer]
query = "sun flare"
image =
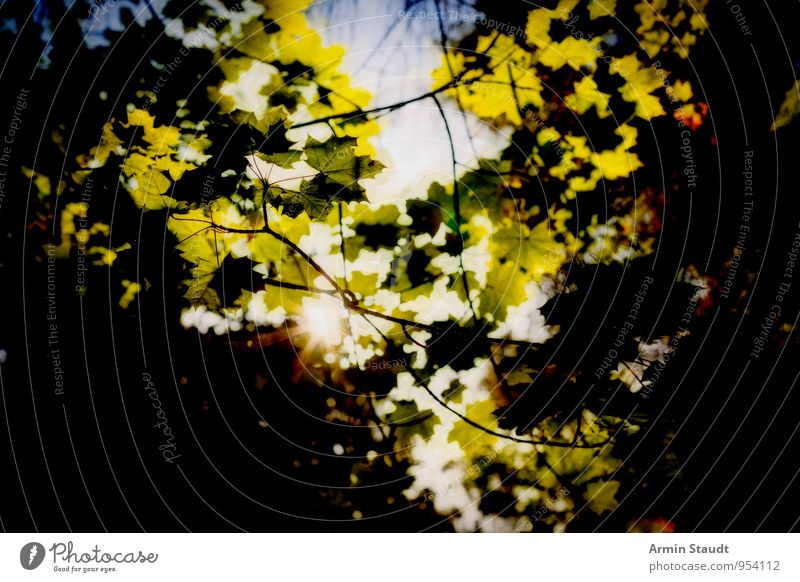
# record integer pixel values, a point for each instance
(322, 321)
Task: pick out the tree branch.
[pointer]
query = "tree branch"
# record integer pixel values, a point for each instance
(364, 112)
(472, 423)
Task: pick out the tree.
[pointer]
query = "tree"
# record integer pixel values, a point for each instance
(446, 323)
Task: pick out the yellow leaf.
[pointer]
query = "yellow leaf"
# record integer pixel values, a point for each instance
(600, 496)
(682, 90)
(473, 440)
(139, 117)
(131, 289)
(601, 8)
(152, 182)
(571, 51)
(615, 164)
(586, 96)
(136, 164)
(653, 41)
(649, 14)
(510, 87)
(641, 82)
(537, 31)
(98, 155)
(520, 375)
(789, 108)
(161, 138)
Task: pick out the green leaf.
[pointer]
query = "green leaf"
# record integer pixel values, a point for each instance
(408, 420)
(520, 375)
(472, 440)
(284, 160)
(272, 117)
(337, 160)
(453, 392)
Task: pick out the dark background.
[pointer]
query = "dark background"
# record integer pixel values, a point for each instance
(88, 460)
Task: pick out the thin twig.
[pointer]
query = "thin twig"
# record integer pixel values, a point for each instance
(456, 95)
(457, 207)
(508, 437)
(364, 112)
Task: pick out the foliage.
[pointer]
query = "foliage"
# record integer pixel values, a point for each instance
(463, 296)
